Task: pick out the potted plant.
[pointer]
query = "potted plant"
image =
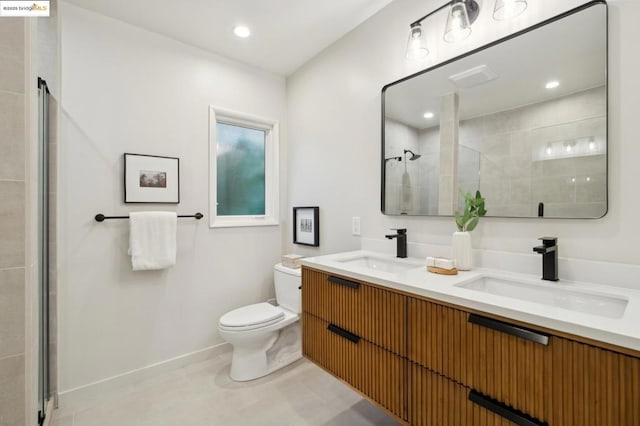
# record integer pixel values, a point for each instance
(467, 222)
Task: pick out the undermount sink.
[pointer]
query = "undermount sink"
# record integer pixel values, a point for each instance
(381, 264)
(605, 305)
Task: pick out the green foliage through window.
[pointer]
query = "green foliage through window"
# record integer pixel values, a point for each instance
(240, 170)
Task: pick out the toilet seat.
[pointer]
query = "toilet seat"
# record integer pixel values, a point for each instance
(251, 317)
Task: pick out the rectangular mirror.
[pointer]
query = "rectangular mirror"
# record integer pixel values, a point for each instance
(523, 120)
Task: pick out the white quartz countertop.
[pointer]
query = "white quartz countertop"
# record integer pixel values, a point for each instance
(410, 275)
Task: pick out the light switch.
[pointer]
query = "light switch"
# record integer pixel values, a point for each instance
(355, 226)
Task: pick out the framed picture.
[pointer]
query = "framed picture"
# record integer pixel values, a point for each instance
(151, 179)
(306, 226)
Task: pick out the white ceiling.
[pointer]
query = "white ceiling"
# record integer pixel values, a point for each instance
(285, 33)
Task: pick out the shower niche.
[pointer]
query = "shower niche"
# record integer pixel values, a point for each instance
(528, 130)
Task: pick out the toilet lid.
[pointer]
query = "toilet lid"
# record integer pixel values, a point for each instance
(251, 315)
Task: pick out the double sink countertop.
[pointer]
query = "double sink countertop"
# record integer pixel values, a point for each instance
(596, 311)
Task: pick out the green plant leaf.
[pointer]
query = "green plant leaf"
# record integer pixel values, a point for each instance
(474, 208)
(473, 223)
(458, 220)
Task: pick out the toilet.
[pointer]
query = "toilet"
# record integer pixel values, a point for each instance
(266, 337)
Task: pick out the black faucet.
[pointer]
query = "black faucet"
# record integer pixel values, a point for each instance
(401, 236)
(549, 252)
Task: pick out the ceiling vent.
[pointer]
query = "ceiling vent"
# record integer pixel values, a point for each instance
(473, 77)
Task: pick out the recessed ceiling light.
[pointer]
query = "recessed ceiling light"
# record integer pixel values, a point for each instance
(428, 115)
(552, 84)
(242, 31)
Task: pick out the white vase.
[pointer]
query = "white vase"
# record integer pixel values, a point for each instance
(461, 250)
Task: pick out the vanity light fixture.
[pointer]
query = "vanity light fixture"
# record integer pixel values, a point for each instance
(458, 27)
(552, 84)
(507, 9)
(242, 31)
(462, 13)
(428, 115)
(417, 44)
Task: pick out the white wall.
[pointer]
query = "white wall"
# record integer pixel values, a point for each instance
(129, 90)
(334, 129)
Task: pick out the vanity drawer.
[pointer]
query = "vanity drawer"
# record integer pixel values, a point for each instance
(508, 363)
(375, 372)
(436, 400)
(374, 314)
(592, 386)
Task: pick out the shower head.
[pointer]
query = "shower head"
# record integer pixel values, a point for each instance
(393, 158)
(414, 156)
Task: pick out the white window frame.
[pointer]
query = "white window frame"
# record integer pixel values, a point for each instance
(271, 168)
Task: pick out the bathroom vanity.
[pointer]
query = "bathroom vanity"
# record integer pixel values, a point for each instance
(443, 350)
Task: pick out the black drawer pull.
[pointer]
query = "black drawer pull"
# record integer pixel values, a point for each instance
(503, 410)
(514, 330)
(343, 333)
(342, 281)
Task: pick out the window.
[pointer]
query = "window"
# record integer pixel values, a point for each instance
(243, 190)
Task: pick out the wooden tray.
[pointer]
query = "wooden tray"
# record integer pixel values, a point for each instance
(437, 270)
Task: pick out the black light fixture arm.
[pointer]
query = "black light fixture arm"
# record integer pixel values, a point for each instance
(473, 10)
(419, 21)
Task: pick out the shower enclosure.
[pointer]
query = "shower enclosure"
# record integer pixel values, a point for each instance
(43, 248)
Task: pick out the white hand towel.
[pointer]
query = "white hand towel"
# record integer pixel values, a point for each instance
(152, 240)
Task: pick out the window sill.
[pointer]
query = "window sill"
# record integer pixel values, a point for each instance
(243, 223)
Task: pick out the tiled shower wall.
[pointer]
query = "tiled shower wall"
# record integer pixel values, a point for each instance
(12, 221)
(403, 186)
(514, 177)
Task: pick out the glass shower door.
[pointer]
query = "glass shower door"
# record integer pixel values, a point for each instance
(43, 246)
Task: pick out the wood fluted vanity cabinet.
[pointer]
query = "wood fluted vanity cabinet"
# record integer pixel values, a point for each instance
(432, 363)
(510, 369)
(377, 373)
(369, 311)
(545, 375)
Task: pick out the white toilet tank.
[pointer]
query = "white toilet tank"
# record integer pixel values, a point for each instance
(287, 282)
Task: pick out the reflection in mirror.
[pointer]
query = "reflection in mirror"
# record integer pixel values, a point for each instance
(524, 121)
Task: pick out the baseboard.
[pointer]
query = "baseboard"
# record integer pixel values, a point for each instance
(84, 396)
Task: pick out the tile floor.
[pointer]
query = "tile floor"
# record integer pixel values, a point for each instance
(203, 394)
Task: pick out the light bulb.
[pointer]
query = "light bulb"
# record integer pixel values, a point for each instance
(458, 27)
(507, 9)
(416, 45)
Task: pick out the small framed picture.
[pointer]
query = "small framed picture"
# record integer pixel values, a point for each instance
(306, 226)
(151, 179)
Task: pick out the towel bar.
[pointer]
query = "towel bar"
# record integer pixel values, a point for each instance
(101, 218)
